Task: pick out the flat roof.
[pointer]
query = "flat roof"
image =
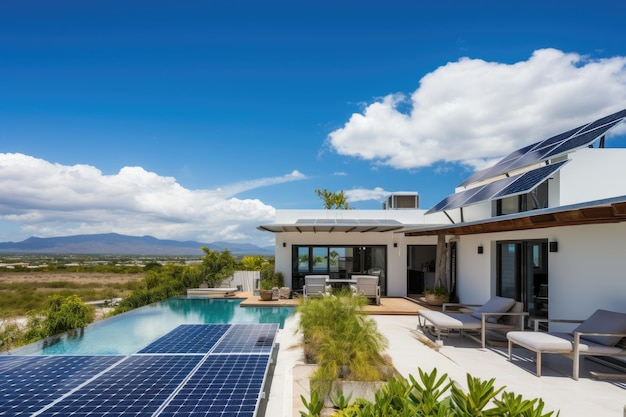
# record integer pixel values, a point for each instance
(339, 225)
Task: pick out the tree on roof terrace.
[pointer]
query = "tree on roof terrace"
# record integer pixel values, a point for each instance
(333, 200)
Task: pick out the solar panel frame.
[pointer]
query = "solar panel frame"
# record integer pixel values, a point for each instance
(222, 385)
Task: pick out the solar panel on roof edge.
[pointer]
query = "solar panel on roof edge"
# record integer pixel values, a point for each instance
(506, 164)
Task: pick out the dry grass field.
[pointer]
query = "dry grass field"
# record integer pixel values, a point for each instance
(102, 278)
(24, 291)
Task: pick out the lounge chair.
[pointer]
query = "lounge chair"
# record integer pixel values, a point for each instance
(367, 286)
(499, 314)
(315, 285)
(599, 335)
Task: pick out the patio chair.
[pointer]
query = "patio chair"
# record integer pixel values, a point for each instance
(599, 335)
(367, 286)
(498, 314)
(315, 285)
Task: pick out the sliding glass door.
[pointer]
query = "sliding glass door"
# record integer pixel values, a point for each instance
(340, 262)
(523, 274)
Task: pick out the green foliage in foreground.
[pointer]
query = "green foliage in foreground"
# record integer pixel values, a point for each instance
(61, 314)
(342, 340)
(435, 397)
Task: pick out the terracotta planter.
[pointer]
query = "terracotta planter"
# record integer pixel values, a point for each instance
(436, 300)
(266, 295)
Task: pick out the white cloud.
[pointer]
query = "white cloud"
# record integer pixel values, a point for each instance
(473, 112)
(49, 199)
(362, 194)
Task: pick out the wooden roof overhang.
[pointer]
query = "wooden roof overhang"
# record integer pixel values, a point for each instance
(597, 212)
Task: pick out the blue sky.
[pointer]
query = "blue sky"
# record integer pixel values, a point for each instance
(197, 119)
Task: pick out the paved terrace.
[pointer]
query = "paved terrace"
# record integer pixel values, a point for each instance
(397, 320)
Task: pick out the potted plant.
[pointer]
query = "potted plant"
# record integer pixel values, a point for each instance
(265, 287)
(268, 281)
(437, 295)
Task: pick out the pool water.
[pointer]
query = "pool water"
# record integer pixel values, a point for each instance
(129, 332)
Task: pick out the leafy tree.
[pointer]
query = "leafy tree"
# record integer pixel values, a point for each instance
(253, 263)
(217, 266)
(333, 200)
(62, 314)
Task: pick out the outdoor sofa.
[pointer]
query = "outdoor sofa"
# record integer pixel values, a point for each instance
(498, 314)
(599, 335)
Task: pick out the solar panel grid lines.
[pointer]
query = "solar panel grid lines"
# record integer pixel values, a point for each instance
(188, 338)
(37, 381)
(248, 338)
(137, 386)
(222, 385)
(530, 180)
(582, 140)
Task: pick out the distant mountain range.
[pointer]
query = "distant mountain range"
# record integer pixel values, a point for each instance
(116, 244)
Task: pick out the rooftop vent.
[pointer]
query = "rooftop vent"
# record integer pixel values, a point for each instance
(404, 200)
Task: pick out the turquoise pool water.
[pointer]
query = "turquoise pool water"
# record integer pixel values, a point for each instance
(129, 332)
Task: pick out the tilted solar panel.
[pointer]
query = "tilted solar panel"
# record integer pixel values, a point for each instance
(248, 338)
(549, 148)
(529, 180)
(224, 385)
(517, 184)
(137, 386)
(37, 381)
(188, 338)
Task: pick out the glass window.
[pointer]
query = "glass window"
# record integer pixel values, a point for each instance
(320, 260)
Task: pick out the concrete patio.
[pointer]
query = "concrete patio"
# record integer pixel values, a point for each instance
(457, 357)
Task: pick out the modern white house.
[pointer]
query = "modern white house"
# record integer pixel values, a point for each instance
(546, 225)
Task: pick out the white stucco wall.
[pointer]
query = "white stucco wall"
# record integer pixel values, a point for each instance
(593, 174)
(587, 273)
(396, 256)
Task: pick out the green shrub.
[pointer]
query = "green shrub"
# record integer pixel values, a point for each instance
(425, 397)
(342, 340)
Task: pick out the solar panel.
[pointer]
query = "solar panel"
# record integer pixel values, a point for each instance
(517, 184)
(549, 148)
(582, 140)
(224, 385)
(135, 387)
(37, 381)
(228, 380)
(248, 338)
(529, 180)
(188, 338)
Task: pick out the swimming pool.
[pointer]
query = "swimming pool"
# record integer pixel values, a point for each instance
(127, 333)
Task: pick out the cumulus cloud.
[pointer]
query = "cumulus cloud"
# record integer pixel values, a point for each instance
(362, 194)
(473, 112)
(50, 199)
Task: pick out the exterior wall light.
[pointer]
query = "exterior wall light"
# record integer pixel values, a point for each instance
(554, 246)
(480, 249)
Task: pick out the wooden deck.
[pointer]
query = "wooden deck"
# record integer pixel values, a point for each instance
(388, 305)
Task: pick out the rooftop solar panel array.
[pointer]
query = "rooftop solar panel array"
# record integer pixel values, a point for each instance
(195, 370)
(507, 187)
(550, 148)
